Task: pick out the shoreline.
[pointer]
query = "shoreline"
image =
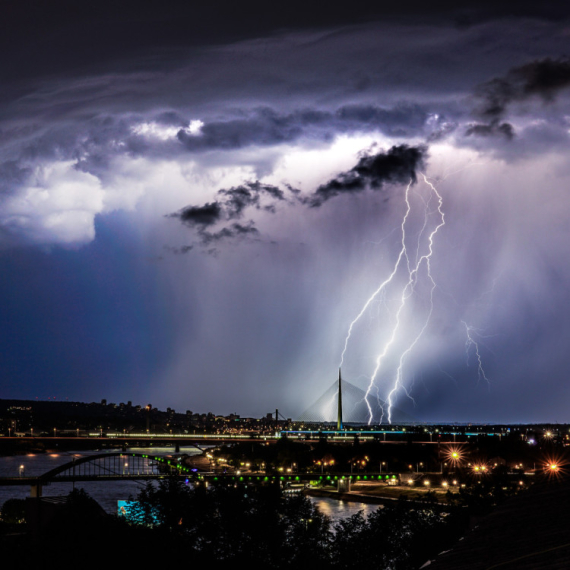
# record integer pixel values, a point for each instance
(373, 499)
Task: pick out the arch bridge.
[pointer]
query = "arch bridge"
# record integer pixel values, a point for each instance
(104, 467)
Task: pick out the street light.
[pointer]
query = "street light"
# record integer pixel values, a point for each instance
(454, 456)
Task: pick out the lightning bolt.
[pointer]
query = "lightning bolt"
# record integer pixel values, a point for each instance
(407, 292)
(471, 342)
(413, 275)
(387, 280)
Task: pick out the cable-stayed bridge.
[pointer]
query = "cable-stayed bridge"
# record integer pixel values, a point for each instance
(354, 407)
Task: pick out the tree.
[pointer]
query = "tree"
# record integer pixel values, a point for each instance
(14, 511)
(237, 523)
(164, 505)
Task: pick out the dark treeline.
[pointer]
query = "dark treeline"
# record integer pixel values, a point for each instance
(222, 526)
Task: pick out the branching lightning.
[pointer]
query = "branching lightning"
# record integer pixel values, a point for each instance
(413, 269)
(388, 279)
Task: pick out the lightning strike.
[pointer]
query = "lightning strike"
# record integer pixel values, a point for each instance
(407, 292)
(388, 279)
(469, 343)
(413, 276)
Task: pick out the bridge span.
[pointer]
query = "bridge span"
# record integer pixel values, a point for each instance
(136, 466)
(146, 439)
(103, 467)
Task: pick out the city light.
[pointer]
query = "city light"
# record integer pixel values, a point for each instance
(454, 455)
(554, 466)
(480, 469)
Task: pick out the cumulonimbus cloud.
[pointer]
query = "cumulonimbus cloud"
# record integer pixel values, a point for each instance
(397, 165)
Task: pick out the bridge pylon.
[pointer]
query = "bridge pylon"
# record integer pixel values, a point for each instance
(339, 425)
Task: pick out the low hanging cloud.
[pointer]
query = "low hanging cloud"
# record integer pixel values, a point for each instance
(397, 165)
(492, 129)
(543, 78)
(233, 231)
(230, 205)
(200, 216)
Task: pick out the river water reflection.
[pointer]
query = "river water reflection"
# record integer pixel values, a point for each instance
(107, 494)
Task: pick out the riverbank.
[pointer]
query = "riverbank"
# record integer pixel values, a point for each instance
(375, 499)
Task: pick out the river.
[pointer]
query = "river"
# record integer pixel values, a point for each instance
(107, 494)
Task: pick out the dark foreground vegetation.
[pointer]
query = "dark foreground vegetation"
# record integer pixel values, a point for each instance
(228, 527)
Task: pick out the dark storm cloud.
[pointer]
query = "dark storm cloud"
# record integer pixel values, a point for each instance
(543, 78)
(230, 206)
(397, 165)
(94, 120)
(59, 36)
(201, 216)
(494, 128)
(235, 230)
(266, 127)
(238, 198)
(93, 142)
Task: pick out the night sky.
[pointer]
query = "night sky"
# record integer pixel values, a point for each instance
(196, 201)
